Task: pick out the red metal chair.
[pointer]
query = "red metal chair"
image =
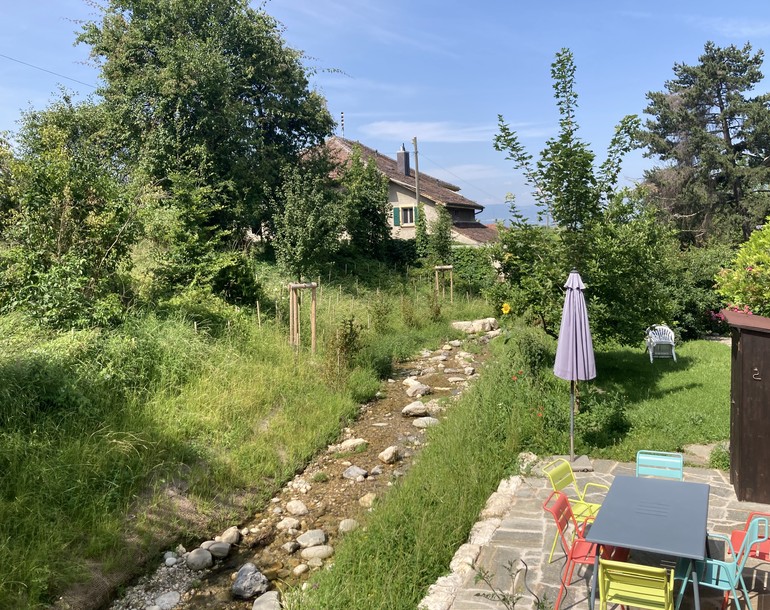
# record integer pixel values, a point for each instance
(572, 535)
(760, 550)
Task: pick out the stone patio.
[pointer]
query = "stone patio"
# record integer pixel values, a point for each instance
(513, 528)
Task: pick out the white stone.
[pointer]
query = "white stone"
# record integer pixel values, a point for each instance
(415, 391)
(312, 538)
(287, 523)
(348, 525)
(367, 500)
(300, 569)
(317, 552)
(390, 455)
(425, 422)
(168, 600)
(348, 445)
(415, 409)
(297, 508)
(267, 601)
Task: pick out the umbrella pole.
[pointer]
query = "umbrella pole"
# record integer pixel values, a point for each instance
(572, 421)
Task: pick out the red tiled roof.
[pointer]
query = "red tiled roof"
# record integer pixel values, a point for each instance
(476, 231)
(442, 193)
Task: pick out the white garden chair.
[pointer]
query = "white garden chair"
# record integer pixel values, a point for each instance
(660, 342)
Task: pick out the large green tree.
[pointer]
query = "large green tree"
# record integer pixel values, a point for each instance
(365, 205)
(208, 103)
(612, 237)
(309, 225)
(714, 139)
(71, 220)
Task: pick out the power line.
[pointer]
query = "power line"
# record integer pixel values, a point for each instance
(488, 194)
(18, 61)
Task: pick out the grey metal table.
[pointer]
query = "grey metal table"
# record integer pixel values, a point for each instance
(654, 515)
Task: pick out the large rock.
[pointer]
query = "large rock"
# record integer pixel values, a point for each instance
(354, 473)
(476, 326)
(417, 390)
(167, 601)
(297, 508)
(317, 552)
(348, 525)
(249, 582)
(312, 538)
(267, 601)
(199, 559)
(425, 422)
(288, 523)
(232, 535)
(346, 446)
(220, 550)
(390, 455)
(415, 409)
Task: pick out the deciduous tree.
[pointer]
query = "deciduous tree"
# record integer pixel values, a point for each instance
(365, 205)
(205, 95)
(308, 226)
(714, 140)
(72, 221)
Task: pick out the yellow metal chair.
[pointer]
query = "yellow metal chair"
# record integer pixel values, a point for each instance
(630, 584)
(562, 478)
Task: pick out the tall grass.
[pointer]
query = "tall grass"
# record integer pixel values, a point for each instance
(92, 423)
(517, 404)
(412, 535)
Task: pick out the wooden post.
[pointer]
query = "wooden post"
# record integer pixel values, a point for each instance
(294, 314)
(312, 321)
(443, 269)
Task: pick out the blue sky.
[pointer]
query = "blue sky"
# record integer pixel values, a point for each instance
(440, 71)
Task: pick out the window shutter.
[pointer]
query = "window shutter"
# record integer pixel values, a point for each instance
(416, 213)
(396, 217)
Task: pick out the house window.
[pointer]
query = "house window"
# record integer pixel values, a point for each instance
(404, 216)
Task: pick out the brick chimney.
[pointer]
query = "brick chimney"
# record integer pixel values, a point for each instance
(402, 160)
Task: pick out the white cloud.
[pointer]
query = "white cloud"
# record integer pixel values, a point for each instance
(744, 29)
(436, 131)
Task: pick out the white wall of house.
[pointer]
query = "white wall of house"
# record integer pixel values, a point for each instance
(404, 199)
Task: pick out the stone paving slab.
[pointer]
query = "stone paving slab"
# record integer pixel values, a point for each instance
(516, 528)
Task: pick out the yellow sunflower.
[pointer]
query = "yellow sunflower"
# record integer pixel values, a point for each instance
(506, 309)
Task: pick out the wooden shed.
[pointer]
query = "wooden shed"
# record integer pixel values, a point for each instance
(750, 406)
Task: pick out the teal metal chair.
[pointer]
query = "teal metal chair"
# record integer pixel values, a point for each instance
(562, 478)
(661, 464)
(726, 575)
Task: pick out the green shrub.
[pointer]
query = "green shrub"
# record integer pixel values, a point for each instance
(379, 312)
(720, 457)
(473, 270)
(533, 349)
(363, 384)
(342, 347)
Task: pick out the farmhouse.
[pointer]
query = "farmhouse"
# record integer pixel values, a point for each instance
(402, 195)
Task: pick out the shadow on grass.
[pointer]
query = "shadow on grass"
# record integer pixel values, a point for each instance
(629, 373)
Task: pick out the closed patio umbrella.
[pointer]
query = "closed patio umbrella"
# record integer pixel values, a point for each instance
(575, 349)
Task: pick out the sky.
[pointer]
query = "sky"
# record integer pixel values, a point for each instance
(438, 71)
